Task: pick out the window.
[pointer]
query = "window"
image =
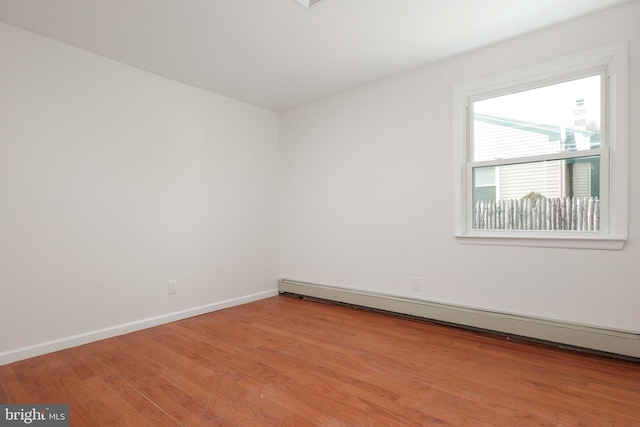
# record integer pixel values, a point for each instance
(541, 154)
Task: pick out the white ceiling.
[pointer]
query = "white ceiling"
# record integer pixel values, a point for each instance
(277, 54)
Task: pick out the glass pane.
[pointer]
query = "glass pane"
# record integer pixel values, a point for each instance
(546, 120)
(484, 176)
(551, 195)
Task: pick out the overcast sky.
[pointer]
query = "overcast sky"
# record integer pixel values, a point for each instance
(552, 105)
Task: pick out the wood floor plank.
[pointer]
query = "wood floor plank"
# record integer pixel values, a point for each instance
(14, 392)
(186, 374)
(289, 362)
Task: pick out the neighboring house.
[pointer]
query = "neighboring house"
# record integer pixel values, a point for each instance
(499, 137)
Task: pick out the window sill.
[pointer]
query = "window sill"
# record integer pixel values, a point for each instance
(565, 242)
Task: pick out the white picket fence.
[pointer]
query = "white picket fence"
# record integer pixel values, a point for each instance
(555, 213)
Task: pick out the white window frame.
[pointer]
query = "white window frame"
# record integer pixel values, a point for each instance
(612, 61)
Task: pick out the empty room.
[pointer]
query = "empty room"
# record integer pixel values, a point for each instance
(319, 213)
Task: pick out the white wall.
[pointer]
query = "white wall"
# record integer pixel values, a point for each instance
(366, 193)
(114, 181)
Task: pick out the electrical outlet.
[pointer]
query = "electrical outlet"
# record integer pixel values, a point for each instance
(173, 287)
(417, 284)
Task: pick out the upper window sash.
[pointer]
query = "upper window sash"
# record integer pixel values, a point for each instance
(472, 117)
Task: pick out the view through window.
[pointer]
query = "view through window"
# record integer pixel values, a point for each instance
(535, 158)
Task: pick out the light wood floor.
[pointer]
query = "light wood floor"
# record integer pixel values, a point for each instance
(289, 362)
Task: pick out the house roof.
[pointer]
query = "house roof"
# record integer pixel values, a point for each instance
(554, 132)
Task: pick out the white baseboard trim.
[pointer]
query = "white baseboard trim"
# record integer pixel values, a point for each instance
(22, 353)
(623, 343)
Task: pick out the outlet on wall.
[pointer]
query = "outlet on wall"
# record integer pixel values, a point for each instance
(417, 284)
(173, 287)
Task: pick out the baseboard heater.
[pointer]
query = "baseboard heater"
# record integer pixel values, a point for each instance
(564, 334)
